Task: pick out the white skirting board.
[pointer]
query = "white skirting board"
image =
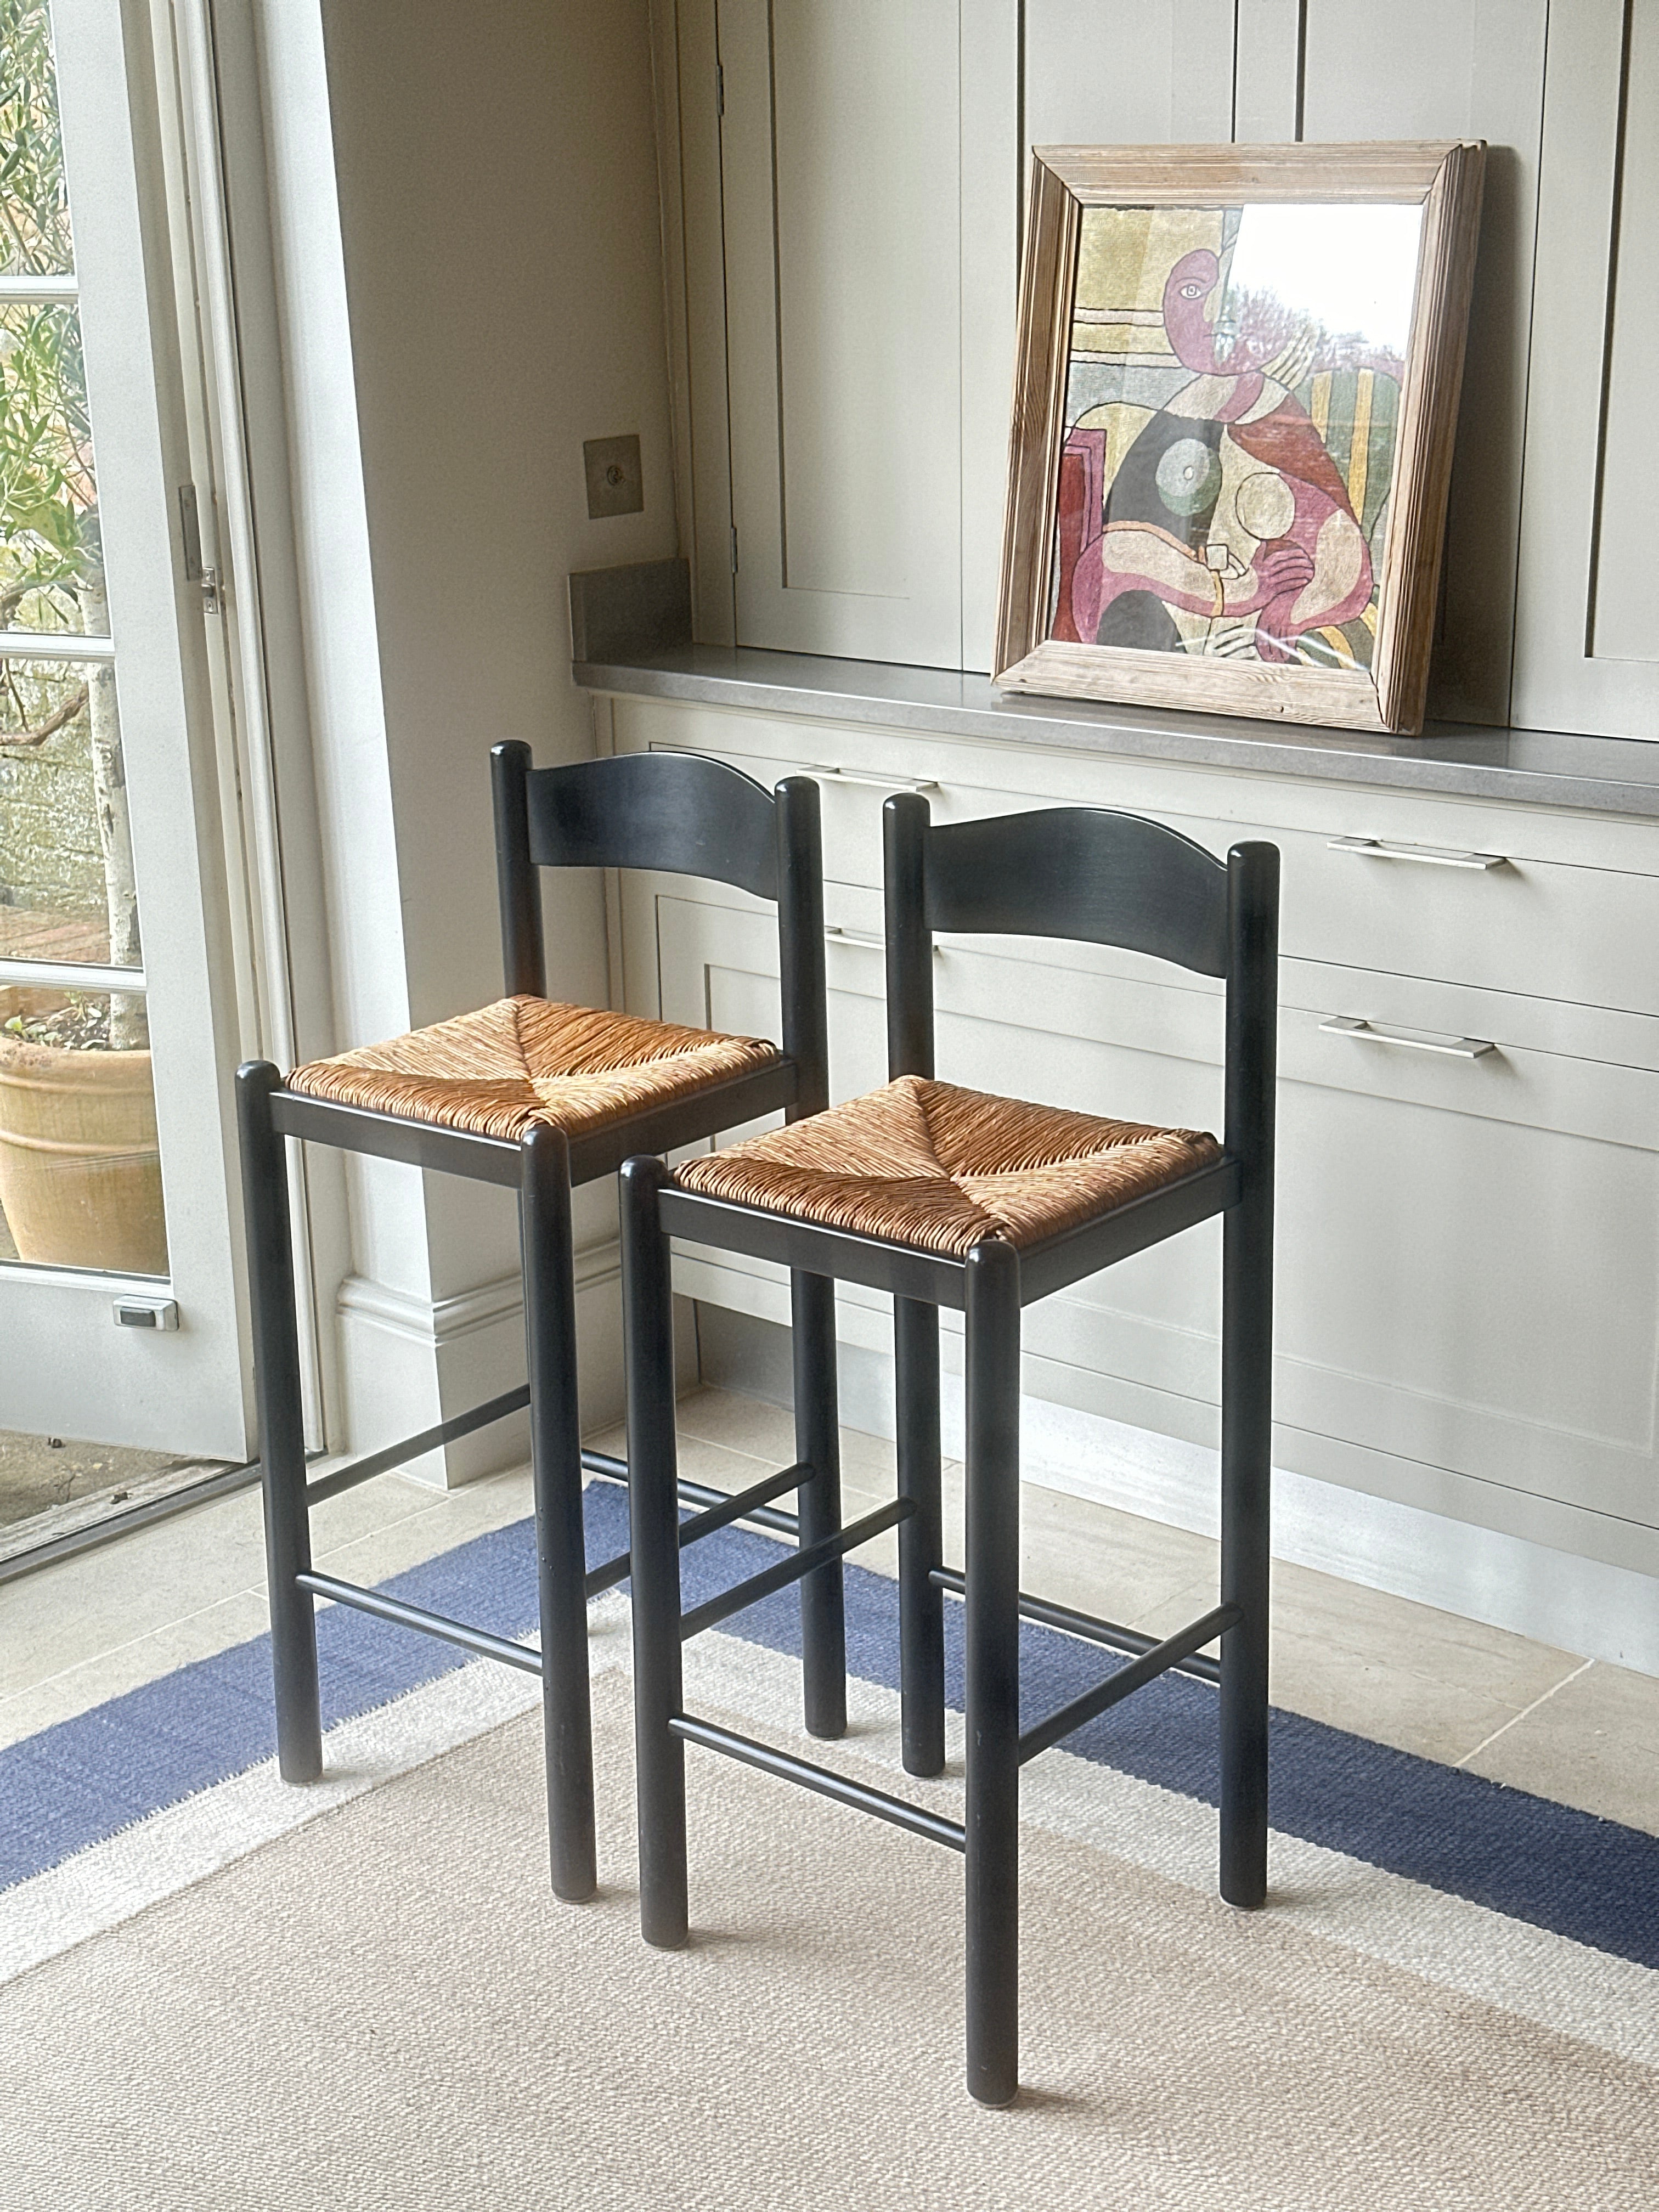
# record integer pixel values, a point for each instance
(408, 1362)
(1583, 1606)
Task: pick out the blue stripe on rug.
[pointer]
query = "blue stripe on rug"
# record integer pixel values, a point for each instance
(1592, 1880)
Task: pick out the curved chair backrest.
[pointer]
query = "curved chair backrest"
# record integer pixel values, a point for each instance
(1097, 877)
(684, 814)
(1083, 872)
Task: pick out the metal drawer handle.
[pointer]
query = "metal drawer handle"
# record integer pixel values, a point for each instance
(871, 937)
(879, 782)
(1369, 1033)
(1433, 856)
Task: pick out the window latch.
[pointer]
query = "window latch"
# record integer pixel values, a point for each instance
(190, 528)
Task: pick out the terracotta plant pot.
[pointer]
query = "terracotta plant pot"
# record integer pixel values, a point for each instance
(80, 1168)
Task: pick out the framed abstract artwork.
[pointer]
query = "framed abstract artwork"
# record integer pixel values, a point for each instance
(1235, 398)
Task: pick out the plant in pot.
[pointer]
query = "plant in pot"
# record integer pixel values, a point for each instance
(80, 1170)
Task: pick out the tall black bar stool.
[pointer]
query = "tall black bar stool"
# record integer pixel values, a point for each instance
(947, 1197)
(540, 1096)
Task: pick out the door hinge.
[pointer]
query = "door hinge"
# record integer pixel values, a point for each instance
(720, 90)
(190, 528)
(734, 548)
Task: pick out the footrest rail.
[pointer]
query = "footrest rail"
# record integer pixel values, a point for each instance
(610, 1469)
(844, 1791)
(1088, 1626)
(1127, 1680)
(792, 1567)
(738, 1507)
(446, 1432)
(528, 1661)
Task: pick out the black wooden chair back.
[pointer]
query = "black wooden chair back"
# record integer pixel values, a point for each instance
(1097, 877)
(683, 814)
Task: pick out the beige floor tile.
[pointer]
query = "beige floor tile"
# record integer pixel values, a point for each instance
(1387, 1703)
(745, 1424)
(94, 1625)
(410, 1539)
(42, 1704)
(1594, 1743)
(100, 1601)
(767, 1431)
(1071, 1550)
(1184, 1603)
(217, 1627)
(1402, 1673)
(613, 1440)
(1102, 1561)
(1463, 1655)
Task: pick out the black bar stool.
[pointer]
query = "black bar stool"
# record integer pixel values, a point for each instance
(540, 1096)
(945, 1197)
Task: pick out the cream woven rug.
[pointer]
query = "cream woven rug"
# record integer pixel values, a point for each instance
(364, 1996)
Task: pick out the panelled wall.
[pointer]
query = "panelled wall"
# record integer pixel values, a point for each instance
(842, 189)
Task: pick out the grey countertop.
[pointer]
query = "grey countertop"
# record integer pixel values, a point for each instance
(1608, 775)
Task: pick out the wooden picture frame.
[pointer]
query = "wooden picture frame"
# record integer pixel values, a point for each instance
(1319, 535)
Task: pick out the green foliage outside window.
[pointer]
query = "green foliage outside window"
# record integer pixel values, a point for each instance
(52, 574)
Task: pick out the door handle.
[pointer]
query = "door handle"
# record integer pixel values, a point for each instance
(1349, 1025)
(1432, 856)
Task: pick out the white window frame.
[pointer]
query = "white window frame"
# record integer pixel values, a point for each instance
(69, 1368)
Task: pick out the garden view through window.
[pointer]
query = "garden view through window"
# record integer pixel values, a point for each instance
(80, 1176)
(80, 1168)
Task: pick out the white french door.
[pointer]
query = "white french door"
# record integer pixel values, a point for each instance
(118, 1032)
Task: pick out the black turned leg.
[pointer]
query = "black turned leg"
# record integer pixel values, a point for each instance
(818, 1445)
(282, 1425)
(1246, 1485)
(993, 1674)
(654, 1535)
(921, 1603)
(549, 1306)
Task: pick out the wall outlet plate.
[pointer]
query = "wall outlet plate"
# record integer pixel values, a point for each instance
(616, 481)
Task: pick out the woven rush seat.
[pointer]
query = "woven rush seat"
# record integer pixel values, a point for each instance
(926, 1164)
(521, 1060)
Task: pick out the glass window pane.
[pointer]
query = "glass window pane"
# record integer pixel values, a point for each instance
(52, 573)
(35, 222)
(66, 879)
(80, 1172)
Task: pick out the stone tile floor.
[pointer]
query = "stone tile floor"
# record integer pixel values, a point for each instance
(1580, 1731)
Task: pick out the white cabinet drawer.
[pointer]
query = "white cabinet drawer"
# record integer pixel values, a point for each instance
(1524, 925)
(1368, 882)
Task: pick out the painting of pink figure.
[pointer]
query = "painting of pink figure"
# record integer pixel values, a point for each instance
(1232, 399)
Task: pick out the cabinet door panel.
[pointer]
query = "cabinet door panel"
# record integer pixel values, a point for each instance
(1459, 69)
(1129, 72)
(1444, 1296)
(1625, 606)
(1585, 652)
(840, 164)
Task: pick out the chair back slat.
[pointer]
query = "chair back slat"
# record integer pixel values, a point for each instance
(685, 816)
(1083, 872)
(678, 812)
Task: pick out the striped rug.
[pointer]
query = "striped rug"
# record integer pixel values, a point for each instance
(216, 1990)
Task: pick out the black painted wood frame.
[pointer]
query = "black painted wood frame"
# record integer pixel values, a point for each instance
(679, 813)
(1100, 877)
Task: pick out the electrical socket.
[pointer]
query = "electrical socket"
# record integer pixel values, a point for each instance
(616, 481)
